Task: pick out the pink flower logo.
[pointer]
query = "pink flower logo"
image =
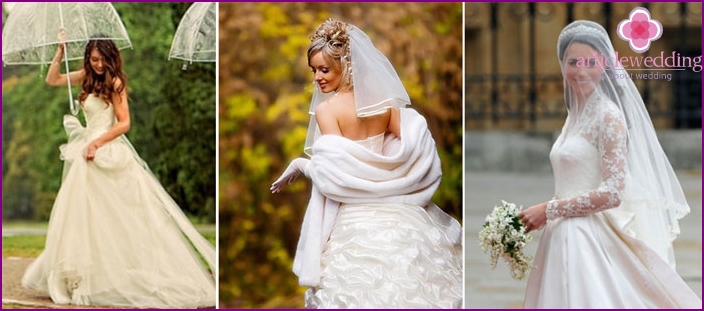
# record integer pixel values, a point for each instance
(639, 30)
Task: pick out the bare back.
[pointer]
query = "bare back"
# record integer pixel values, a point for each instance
(338, 116)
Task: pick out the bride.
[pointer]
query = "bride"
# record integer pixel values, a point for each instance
(370, 237)
(115, 236)
(610, 226)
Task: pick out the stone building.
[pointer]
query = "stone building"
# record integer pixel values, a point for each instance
(512, 76)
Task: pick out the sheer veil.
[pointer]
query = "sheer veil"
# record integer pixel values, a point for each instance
(376, 84)
(653, 197)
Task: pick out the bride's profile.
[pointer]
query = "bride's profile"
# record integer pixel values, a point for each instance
(115, 236)
(608, 230)
(371, 237)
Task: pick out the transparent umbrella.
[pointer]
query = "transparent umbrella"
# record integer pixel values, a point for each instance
(29, 35)
(194, 40)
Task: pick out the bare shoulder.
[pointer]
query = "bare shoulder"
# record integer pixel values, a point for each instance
(116, 82)
(336, 106)
(324, 108)
(330, 113)
(119, 97)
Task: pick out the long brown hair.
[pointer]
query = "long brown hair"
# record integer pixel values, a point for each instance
(103, 85)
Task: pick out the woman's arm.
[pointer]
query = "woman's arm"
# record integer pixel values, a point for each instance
(612, 150)
(54, 77)
(122, 114)
(613, 136)
(327, 122)
(395, 122)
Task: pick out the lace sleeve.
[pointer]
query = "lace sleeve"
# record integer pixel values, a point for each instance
(611, 143)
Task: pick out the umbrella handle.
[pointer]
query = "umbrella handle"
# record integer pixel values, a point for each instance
(71, 104)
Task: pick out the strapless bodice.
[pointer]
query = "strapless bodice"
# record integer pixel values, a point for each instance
(100, 116)
(374, 143)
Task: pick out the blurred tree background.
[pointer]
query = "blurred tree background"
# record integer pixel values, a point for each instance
(265, 88)
(172, 113)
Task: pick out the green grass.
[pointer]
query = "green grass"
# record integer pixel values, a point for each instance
(209, 235)
(22, 245)
(24, 224)
(32, 245)
(13, 306)
(208, 231)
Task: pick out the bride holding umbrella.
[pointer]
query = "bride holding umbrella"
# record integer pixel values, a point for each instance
(115, 236)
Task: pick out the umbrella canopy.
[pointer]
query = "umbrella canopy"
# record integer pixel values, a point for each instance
(29, 35)
(194, 40)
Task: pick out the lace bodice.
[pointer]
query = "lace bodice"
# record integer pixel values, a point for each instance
(374, 143)
(589, 161)
(100, 117)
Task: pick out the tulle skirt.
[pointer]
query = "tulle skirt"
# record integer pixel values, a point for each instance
(389, 256)
(111, 243)
(589, 262)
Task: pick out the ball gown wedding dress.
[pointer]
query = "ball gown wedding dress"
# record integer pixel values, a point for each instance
(389, 246)
(586, 257)
(115, 237)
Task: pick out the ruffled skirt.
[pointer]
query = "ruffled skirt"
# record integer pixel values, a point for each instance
(389, 256)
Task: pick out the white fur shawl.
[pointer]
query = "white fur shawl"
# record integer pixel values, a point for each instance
(342, 170)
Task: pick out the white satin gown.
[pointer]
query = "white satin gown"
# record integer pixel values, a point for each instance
(388, 256)
(585, 258)
(115, 237)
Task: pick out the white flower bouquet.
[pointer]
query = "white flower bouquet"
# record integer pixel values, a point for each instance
(505, 236)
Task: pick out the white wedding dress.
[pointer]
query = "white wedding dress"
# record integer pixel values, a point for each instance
(115, 237)
(388, 256)
(586, 258)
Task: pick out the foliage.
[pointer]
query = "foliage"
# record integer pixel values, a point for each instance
(172, 113)
(265, 90)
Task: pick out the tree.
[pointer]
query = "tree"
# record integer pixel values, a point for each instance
(264, 84)
(172, 113)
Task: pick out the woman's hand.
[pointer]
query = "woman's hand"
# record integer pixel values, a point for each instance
(54, 77)
(295, 169)
(534, 217)
(89, 154)
(62, 36)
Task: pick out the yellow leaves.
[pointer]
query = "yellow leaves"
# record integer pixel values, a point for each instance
(268, 208)
(278, 72)
(442, 28)
(247, 225)
(235, 110)
(414, 88)
(278, 254)
(276, 21)
(255, 161)
(292, 108)
(447, 25)
(239, 106)
(296, 44)
(293, 141)
(307, 18)
(294, 105)
(265, 88)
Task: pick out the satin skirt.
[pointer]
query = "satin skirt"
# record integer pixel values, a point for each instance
(589, 262)
(389, 256)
